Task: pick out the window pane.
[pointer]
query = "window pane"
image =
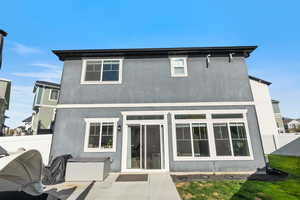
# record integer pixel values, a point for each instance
(107, 135)
(179, 62)
(238, 131)
(178, 70)
(191, 116)
(226, 116)
(93, 71)
(201, 148)
(239, 139)
(94, 136)
(222, 140)
(200, 140)
(110, 71)
(240, 148)
(54, 94)
(183, 140)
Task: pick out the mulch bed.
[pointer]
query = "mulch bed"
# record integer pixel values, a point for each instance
(205, 177)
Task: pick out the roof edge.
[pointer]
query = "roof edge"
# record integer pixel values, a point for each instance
(243, 50)
(46, 83)
(260, 80)
(2, 32)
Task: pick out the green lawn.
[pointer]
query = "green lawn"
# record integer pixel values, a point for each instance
(288, 164)
(250, 190)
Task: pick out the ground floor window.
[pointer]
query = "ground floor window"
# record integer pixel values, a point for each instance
(100, 134)
(213, 135)
(234, 138)
(222, 140)
(192, 140)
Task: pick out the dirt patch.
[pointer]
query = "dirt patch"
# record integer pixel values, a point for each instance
(181, 184)
(187, 196)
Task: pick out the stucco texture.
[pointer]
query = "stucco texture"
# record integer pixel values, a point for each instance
(149, 81)
(70, 132)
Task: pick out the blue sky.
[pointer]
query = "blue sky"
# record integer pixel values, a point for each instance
(36, 27)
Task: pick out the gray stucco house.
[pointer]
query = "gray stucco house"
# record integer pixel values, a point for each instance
(159, 109)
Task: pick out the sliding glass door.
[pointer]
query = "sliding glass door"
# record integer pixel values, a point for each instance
(144, 150)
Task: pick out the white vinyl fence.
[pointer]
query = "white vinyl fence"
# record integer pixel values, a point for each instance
(273, 142)
(42, 143)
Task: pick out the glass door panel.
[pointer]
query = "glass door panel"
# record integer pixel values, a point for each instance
(134, 148)
(153, 151)
(144, 149)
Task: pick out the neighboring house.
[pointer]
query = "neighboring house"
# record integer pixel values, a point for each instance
(265, 113)
(27, 124)
(44, 106)
(159, 109)
(292, 125)
(285, 123)
(5, 87)
(278, 116)
(2, 35)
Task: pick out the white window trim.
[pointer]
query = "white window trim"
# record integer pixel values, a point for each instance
(184, 67)
(49, 97)
(88, 121)
(37, 94)
(163, 122)
(83, 71)
(211, 140)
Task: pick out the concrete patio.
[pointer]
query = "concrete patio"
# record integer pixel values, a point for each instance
(159, 186)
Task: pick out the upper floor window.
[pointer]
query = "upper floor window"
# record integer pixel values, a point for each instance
(178, 67)
(103, 71)
(53, 94)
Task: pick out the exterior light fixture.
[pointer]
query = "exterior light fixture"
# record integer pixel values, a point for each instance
(231, 57)
(119, 128)
(207, 60)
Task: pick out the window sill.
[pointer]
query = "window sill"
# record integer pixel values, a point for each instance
(213, 158)
(100, 83)
(179, 76)
(99, 150)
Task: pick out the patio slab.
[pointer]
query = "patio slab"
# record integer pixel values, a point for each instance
(159, 186)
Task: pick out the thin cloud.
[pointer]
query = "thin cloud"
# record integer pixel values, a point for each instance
(46, 65)
(47, 72)
(24, 49)
(46, 76)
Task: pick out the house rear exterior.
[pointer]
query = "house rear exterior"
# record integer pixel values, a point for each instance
(163, 109)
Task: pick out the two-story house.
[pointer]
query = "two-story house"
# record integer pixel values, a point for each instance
(5, 87)
(159, 109)
(44, 106)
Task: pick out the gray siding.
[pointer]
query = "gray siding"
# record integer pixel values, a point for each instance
(149, 81)
(70, 129)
